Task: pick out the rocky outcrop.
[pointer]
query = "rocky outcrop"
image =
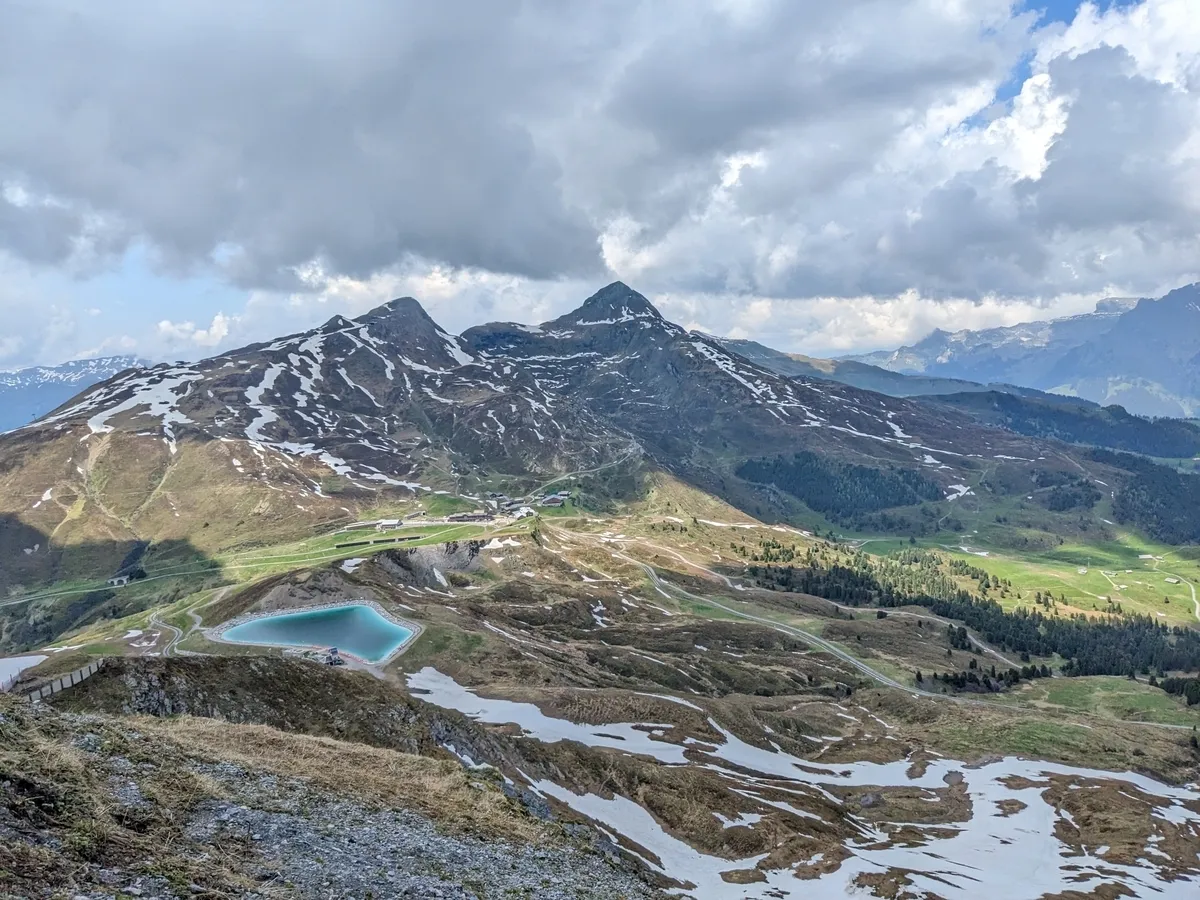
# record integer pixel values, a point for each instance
(100, 807)
(296, 696)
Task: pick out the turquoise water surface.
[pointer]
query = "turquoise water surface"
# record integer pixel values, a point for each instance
(357, 630)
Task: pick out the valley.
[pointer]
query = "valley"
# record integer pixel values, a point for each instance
(693, 627)
(573, 635)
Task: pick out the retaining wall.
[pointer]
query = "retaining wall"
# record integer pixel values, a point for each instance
(63, 682)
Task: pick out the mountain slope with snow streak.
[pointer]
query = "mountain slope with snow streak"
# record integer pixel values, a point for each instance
(266, 440)
(687, 399)
(368, 397)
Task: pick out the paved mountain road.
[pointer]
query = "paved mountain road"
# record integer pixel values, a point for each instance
(1192, 588)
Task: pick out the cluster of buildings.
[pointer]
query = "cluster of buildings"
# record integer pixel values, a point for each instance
(503, 502)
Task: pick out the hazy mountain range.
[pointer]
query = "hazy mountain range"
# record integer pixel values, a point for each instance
(1141, 354)
(29, 393)
(863, 375)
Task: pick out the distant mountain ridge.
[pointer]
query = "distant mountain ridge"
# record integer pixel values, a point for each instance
(1023, 410)
(1143, 354)
(29, 393)
(866, 376)
(253, 444)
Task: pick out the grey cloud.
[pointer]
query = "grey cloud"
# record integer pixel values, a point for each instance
(1113, 166)
(715, 84)
(508, 135)
(42, 234)
(971, 239)
(388, 130)
(822, 88)
(1110, 207)
(497, 135)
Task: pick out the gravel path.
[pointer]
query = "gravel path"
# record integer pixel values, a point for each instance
(323, 847)
(258, 836)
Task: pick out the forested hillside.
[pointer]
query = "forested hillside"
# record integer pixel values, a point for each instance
(1157, 498)
(842, 491)
(1077, 422)
(1119, 646)
(1188, 688)
(1064, 490)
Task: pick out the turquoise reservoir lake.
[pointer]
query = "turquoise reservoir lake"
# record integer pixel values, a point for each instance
(357, 630)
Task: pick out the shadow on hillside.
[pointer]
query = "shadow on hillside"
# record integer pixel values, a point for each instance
(32, 564)
(762, 502)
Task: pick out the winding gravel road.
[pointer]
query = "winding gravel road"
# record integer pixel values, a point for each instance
(806, 636)
(822, 644)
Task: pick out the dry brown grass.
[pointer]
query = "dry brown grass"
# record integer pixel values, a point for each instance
(48, 786)
(440, 789)
(971, 731)
(899, 641)
(670, 496)
(76, 798)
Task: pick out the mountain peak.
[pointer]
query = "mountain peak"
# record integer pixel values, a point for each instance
(935, 338)
(400, 308)
(1116, 305)
(336, 323)
(1183, 297)
(400, 319)
(610, 305)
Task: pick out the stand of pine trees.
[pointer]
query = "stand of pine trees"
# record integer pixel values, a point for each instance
(1157, 498)
(977, 680)
(1188, 688)
(842, 491)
